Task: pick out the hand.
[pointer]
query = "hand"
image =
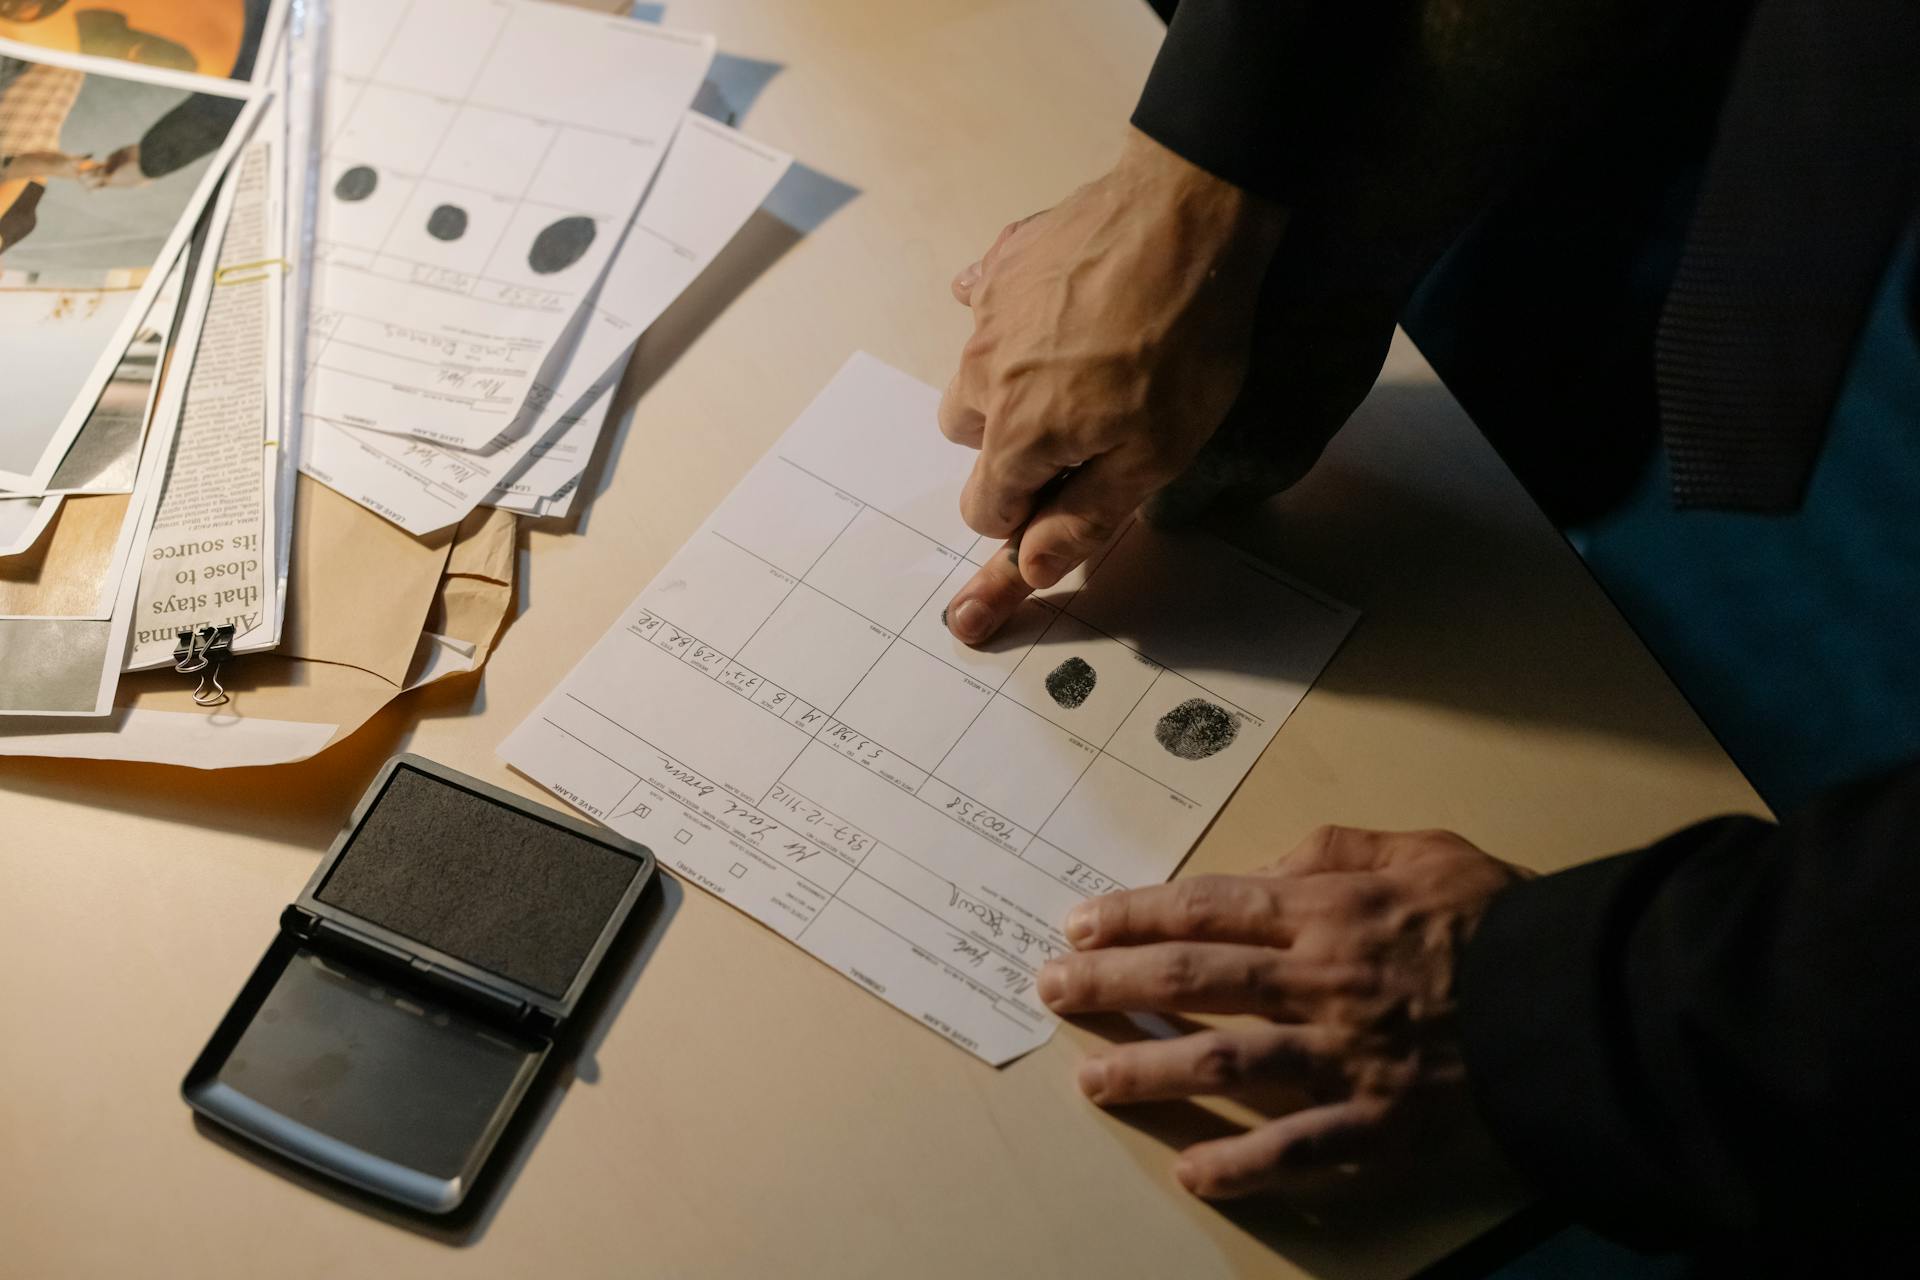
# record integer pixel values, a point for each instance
(121, 168)
(1111, 334)
(1346, 952)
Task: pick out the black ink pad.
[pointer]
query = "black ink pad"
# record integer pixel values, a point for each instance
(356, 183)
(418, 984)
(447, 222)
(1069, 683)
(1196, 729)
(561, 244)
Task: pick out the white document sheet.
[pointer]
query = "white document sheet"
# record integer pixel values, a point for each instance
(783, 718)
(482, 159)
(24, 519)
(709, 185)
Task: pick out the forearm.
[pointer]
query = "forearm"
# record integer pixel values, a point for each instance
(1711, 1040)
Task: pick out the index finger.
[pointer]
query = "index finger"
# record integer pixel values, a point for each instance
(1006, 479)
(1221, 908)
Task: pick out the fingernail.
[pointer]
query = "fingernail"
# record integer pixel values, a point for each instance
(1052, 984)
(1046, 570)
(1093, 1079)
(1079, 924)
(969, 277)
(1187, 1175)
(972, 620)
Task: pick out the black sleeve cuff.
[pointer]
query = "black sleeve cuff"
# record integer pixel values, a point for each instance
(1547, 1040)
(1257, 91)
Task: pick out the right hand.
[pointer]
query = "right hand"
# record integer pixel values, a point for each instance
(1111, 334)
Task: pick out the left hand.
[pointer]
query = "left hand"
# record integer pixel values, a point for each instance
(1346, 951)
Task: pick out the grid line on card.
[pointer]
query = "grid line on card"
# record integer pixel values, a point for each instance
(817, 723)
(393, 34)
(832, 895)
(879, 511)
(802, 582)
(623, 136)
(803, 573)
(475, 187)
(479, 404)
(993, 996)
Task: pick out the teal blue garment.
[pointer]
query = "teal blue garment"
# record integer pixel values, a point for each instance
(1796, 637)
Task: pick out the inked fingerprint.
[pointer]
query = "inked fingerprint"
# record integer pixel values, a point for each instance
(1196, 729)
(356, 183)
(1069, 683)
(448, 222)
(560, 245)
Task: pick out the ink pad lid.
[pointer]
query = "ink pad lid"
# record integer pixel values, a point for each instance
(419, 983)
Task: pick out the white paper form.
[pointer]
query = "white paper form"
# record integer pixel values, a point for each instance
(482, 158)
(709, 185)
(783, 718)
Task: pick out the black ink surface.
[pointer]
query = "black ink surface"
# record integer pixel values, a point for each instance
(560, 245)
(1069, 683)
(448, 222)
(1196, 729)
(356, 183)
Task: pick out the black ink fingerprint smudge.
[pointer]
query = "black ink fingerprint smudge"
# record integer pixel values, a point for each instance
(1196, 729)
(356, 183)
(560, 245)
(448, 222)
(1069, 683)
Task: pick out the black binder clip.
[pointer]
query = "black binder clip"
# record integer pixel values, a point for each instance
(204, 649)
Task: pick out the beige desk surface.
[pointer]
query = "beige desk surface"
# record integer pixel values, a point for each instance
(749, 1113)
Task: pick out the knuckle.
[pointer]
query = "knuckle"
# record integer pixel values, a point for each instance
(1178, 976)
(1083, 531)
(1323, 838)
(1197, 911)
(1218, 1063)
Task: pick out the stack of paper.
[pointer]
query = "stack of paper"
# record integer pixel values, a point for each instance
(402, 246)
(144, 193)
(487, 269)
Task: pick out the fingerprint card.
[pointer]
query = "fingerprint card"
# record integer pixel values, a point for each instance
(783, 718)
(483, 159)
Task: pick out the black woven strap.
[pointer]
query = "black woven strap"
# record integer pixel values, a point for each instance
(1810, 184)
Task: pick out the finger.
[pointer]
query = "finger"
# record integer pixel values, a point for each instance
(979, 609)
(1079, 519)
(959, 421)
(1196, 977)
(999, 493)
(1198, 908)
(1263, 1158)
(1220, 1061)
(963, 282)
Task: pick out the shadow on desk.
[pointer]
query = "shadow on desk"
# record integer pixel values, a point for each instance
(1342, 1223)
(801, 201)
(1472, 599)
(574, 1058)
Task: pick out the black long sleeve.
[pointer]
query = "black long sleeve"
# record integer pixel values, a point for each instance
(1258, 91)
(1712, 1042)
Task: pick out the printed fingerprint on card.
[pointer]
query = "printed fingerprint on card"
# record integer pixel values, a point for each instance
(1197, 729)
